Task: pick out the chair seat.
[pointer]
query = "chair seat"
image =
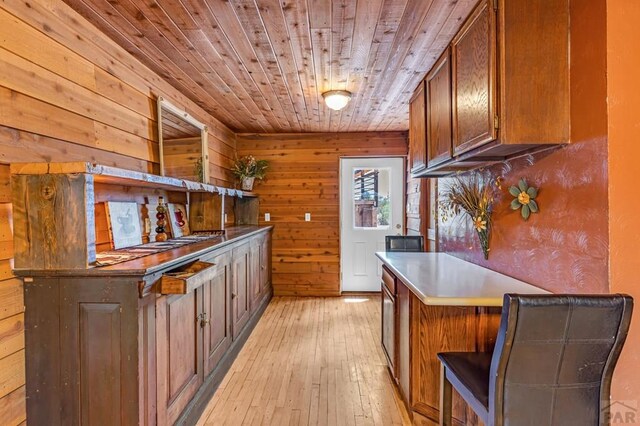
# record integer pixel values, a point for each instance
(469, 374)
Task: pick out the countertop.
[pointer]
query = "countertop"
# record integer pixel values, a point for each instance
(159, 261)
(442, 279)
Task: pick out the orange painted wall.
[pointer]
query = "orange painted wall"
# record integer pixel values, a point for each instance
(623, 90)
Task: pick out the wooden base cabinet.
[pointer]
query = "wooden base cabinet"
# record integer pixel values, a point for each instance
(180, 366)
(241, 287)
(103, 346)
(419, 333)
(217, 322)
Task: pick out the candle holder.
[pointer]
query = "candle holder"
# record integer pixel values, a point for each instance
(161, 215)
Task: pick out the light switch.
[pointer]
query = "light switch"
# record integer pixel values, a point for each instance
(307, 217)
(225, 218)
(267, 217)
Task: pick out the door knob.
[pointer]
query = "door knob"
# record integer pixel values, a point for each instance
(398, 226)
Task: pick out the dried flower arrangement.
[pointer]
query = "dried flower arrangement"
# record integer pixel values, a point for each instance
(473, 197)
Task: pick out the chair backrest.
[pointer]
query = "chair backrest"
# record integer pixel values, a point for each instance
(554, 358)
(404, 243)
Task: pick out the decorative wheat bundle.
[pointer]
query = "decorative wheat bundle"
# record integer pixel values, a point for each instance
(475, 198)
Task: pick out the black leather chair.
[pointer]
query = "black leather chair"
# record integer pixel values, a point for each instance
(552, 363)
(404, 243)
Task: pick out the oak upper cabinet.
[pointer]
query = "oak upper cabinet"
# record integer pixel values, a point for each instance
(241, 287)
(438, 99)
(417, 131)
(179, 352)
(510, 92)
(217, 312)
(474, 80)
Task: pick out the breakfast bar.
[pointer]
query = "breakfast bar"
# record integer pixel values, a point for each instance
(431, 303)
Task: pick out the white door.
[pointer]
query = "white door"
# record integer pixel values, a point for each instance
(371, 199)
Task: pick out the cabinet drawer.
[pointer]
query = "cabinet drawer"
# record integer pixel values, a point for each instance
(389, 280)
(186, 278)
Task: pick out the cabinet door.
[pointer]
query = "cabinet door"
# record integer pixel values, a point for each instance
(179, 356)
(473, 58)
(389, 329)
(439, 132)
(417, 131)
(254, 273)
(240, 291)
(403, 320)
(429, 324)
(265, 264)
(217, 308)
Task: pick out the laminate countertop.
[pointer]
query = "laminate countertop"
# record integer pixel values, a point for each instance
(442, 279)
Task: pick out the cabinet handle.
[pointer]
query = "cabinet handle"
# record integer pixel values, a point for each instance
(204, 320)
(262, 266)
(233, 295)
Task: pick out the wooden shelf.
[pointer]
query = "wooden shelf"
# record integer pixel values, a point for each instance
(69, 237)
(117, 176)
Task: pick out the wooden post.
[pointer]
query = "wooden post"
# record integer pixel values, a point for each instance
(54, 221)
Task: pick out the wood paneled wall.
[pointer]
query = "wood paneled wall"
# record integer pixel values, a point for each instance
(303, 176)
(416, 206)
(68, 93)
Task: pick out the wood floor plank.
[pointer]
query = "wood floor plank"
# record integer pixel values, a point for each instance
(310, 361)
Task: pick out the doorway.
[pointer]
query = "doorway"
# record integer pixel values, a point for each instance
(371, 207)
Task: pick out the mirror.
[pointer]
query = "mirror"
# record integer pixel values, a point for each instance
(183, 144)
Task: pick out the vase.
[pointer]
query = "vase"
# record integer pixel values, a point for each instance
(247, 183)
(483, 235)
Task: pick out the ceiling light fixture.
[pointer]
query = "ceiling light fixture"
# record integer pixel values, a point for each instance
(337, 99)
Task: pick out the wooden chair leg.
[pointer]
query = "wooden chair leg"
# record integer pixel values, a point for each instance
(445, 399)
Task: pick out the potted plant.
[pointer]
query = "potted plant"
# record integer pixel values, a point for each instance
(247, 169)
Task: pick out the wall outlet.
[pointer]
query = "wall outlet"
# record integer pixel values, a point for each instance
(307, 217)
(267, 217)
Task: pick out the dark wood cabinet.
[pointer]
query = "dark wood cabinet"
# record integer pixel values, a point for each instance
(143, 341)
(509, 91)
(473, 53)
(241, 287)
(255, 260)
(439, 131)
(417, 131)
(265, 265)
(217, 312)
(179, 338)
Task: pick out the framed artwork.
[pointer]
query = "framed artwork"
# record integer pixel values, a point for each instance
(124, 224)
(178, 219)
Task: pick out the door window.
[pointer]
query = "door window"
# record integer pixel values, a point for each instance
(371, 207)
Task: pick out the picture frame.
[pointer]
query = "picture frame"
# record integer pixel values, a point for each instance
(179, 220)
(124, 224)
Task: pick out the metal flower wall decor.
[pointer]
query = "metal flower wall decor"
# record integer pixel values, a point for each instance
(475, 198)
(525, 199)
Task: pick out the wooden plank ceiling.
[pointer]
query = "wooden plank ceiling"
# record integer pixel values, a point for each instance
(262, 65)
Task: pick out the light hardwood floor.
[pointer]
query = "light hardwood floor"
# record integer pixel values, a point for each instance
(310, 361)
